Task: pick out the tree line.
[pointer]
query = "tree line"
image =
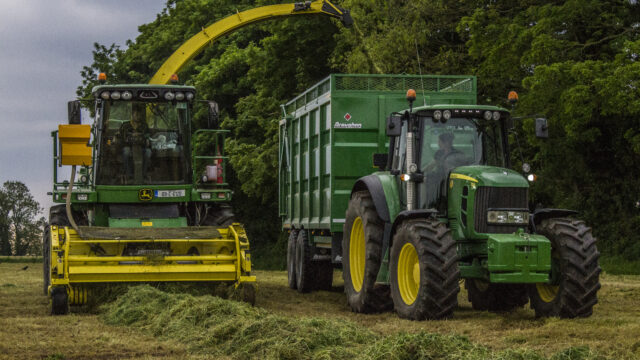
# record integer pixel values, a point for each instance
(575, 62)
(20, 227)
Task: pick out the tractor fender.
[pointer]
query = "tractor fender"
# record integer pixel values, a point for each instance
(545, 213)
(373, 184)
(412, 214)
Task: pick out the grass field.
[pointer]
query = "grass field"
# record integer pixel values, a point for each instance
(149, 324)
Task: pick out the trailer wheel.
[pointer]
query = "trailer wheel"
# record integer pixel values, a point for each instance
(424, 270)
(362, 256)
(59, 301)
(46, 260)
(485, 296)
(324, 275)
(574, 280)
(291, 259)
(304, 264)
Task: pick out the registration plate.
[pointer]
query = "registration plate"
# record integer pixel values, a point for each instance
(169, 193)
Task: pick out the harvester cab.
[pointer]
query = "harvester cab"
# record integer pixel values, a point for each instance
(144, 206)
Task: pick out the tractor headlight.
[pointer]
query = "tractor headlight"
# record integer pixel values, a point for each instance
(82, 197)
(189, 96)
(496, 115)
(115, 95)
(488, 115)
(437, 115)
(446, 115)
(169, 95)
(507, 217)
(205, 196)
(126, 95)
(179, 96)
(105, 95)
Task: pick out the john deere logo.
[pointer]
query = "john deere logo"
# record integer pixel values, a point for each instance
(145, 194)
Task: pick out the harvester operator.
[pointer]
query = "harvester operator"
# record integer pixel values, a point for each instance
(136, 151)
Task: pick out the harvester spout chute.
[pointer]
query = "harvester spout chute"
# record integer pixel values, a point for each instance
(192, 47)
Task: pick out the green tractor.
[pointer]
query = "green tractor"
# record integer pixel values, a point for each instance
(445, 207)
(147, 204)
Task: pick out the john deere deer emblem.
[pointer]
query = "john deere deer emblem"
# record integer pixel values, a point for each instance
(145, 194)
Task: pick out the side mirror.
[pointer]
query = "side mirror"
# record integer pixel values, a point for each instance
(380, 160)
(542, 128)
(214, 115)
(73, 108)
(394, 125)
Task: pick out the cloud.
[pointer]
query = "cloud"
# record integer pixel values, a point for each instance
(43, 46)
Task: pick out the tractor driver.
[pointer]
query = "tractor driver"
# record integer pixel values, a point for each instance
(444, 160)
(134, 135)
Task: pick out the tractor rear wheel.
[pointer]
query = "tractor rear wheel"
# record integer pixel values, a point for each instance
(362, 256)
(304, 264)
(485, 296)
(46, 260)
(574, 280)
(291, 259)
(424, 270)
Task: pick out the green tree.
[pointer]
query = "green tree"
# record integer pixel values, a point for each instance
(20, 232)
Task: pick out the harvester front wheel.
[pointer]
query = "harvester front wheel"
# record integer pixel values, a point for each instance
(46, 260)
(362, 256)
(572, 289)
(424, 270)
(291, 259)
(485, 296)
(304, 263)
(59, 301)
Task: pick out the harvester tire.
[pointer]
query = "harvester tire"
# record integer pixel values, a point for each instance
(248, 293)
(485, 296)
(324, 275)
(424, 270)
(291, 259)
(304, 263)
(575, 273)
(59, 301)
(220, 216)
(362, 256)
(58, 216)
(46, 260)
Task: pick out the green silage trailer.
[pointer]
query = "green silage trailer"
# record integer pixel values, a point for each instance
(328, 138)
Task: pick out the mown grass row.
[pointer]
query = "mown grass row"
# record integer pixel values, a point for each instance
(215, 326)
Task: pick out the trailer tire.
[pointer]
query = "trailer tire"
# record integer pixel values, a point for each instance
(304, 264)
(46, 259)
(324, 275)
(59, 301)
(362, 256)
(575, 270)
(291, 259)
(424, 270)
(485, 296)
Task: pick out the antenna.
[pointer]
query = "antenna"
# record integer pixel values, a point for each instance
(424, 99)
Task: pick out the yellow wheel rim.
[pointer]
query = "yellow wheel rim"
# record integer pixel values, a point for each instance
(357, 254)
(408, 274)
(547, 292)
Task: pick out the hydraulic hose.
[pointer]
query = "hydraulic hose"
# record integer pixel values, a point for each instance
(68, 203)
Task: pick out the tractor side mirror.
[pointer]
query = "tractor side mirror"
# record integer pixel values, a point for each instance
(542, 128)
(214, 115)
(394, 125)
(73, 108)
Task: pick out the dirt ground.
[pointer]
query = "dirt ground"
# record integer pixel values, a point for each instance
(27, 331)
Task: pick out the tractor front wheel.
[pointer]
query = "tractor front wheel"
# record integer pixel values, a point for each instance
(362, 256)
(424, 270)
(291, 259)
(572, 289)
(485, 296)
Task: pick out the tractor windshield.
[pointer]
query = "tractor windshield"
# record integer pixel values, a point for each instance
(143, 143)
(458, 142)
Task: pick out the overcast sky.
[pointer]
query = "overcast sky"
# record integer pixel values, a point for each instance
(43, 46)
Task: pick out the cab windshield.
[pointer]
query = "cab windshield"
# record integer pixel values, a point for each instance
(458, 142)
(143, 143)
